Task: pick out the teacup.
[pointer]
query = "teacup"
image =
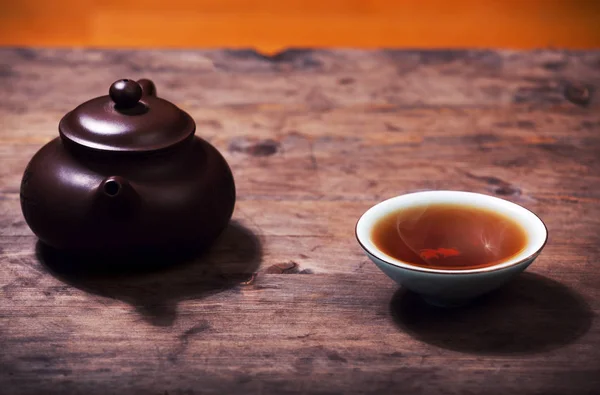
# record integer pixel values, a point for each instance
(452, 287)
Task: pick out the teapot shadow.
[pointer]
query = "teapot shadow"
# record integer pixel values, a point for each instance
(154, 284)
(530, 314)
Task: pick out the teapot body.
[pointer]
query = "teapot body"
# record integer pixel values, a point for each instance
(100, 202)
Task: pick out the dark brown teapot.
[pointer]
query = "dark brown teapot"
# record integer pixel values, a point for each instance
(126, 174)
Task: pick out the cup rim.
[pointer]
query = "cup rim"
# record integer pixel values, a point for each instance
(409, 266)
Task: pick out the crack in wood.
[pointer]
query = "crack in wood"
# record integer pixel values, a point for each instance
(498, 186)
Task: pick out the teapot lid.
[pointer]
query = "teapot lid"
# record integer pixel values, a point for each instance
(130, 119)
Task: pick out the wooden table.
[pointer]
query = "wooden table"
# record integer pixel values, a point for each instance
(286, 302)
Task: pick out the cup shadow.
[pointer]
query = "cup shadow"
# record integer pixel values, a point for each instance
(530, 314)
(154, 284)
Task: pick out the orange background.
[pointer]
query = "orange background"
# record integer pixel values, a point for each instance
(270, 25)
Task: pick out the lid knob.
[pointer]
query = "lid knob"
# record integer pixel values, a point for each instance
(125, 93)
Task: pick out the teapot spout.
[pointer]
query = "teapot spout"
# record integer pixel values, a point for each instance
(119, 194)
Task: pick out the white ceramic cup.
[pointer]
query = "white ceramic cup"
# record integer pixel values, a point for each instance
(443, 287)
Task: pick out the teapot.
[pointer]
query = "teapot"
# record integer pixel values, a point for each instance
(127, 173)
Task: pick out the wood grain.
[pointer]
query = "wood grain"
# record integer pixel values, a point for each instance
(286, 302)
